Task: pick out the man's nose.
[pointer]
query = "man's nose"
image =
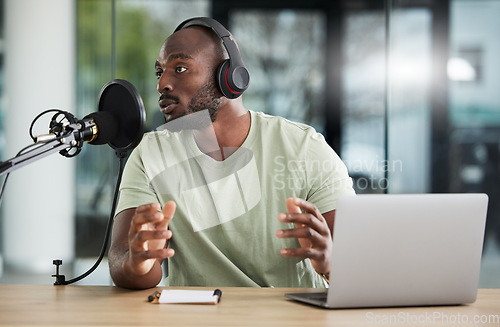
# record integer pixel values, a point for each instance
(164, 84)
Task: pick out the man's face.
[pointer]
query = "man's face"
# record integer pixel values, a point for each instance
(186, 69)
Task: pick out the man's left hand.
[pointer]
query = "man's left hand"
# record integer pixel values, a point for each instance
(312, 231)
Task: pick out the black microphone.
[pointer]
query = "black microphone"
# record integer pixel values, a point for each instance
(99, 128)
(119, 122)
(96, 128)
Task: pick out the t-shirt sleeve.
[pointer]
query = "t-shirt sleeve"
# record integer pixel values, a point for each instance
(327, 175)
(135, 187)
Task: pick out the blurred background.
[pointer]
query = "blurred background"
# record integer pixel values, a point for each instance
(406, 91)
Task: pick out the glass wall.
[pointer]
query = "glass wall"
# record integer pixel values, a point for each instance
(288, 77)
(2, 136)
(420, 103)
(405, 91)
(363, 98)
(2, 50)
(474, 105)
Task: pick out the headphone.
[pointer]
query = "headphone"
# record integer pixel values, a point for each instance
(232, 77)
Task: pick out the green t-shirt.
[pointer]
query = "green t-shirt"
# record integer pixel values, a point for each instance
(227, 211)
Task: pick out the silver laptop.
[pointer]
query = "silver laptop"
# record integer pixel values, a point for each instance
(404, 250)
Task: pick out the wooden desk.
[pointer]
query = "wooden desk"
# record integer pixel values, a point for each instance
(106, 306)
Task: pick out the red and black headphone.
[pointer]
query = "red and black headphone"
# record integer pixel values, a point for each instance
(232, 77)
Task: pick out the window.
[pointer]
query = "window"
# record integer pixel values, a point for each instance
(116, 39)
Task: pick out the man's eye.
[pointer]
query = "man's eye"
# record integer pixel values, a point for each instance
(180, 69)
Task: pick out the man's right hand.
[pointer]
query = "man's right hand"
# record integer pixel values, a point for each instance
(139, 245)
(148, 237)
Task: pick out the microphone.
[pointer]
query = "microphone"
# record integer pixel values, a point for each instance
(119, 121)
(96, 128)
(99, 128)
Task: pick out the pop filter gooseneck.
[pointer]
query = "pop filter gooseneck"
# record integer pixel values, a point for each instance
(118, 99)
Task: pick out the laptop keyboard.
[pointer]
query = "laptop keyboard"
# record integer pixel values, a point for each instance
(318, 296)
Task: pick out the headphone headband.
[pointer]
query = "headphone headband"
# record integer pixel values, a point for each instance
(207, 22)
(232, 76)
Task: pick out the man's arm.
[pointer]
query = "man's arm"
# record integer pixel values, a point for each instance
(138, 245)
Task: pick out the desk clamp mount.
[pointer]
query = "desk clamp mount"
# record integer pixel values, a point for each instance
(60, 279)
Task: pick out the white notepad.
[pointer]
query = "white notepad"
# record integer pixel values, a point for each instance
(189, 296)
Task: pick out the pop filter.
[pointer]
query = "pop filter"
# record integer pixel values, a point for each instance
(120, 98)
(120, 118)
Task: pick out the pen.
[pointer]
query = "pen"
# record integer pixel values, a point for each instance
(218, 293)
(153, 298)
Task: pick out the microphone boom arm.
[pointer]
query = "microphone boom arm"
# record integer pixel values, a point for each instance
(45, 148)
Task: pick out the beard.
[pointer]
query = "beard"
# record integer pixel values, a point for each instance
(204, 99)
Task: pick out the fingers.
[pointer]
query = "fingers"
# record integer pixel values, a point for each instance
(311, 230)
(150, 214)
(169, 209)
(297, 205)
(310, 233)
(142, 262)
(149, 228)
(309, 222)
(145, 214)
(140, 240)
(314, 254)
(305, 220)
(156, 254)
(168, 213)
(292, 205)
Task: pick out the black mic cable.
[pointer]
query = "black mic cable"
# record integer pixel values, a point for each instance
(61, 279)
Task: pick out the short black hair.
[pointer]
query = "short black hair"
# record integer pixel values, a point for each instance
(221, 52)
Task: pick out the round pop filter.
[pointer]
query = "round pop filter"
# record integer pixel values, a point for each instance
(120, 98)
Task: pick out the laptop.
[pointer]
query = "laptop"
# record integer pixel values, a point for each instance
(404, 250)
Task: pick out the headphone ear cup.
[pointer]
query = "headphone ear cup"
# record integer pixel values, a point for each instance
(221, 81)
